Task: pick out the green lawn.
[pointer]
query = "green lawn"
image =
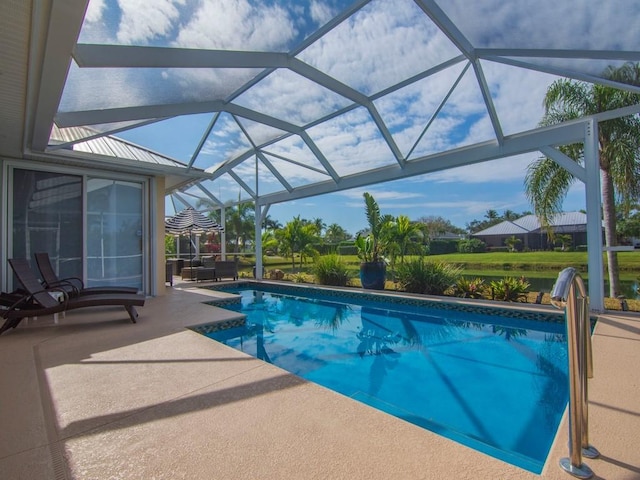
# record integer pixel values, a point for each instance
(629, 261)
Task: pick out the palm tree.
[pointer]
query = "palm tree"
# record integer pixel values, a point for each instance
(547, 183)
(402, 230)
(319, 224)
(511, 242)
(271, 223)
(491, 215)
(241, 223)
(335, 233)
(510, 215)
(297, 237)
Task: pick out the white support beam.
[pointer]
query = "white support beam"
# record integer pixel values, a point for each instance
(242, 183)
(488, 101)
(450, 29)
(258, 243)
(320, 156)
(203, 139)
(565, 162)
(570, 132)
(565, 72)
(439, 109)
(594, 217)
(210, 195)
(223, 235)
(629, 56)
(131, 56)
(274, 171)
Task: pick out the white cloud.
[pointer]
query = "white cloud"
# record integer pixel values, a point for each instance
(387, 42)
(238, 25)
(95, 10)
(142, 23)
(547, 23)
(320, 12)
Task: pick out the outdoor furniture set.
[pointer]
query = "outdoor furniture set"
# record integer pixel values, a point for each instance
(208, 268)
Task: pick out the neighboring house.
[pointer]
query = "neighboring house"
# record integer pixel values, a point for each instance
(532, 236)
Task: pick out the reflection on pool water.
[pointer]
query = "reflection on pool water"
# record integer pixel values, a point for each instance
(494, 383)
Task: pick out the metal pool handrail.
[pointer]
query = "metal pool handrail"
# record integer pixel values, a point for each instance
(569, 292)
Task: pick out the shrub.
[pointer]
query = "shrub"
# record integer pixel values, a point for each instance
(331, 270)
(472, 245)
(440, 247)
(431, 278)
(347, 250)
(510, 289)
(470, 288)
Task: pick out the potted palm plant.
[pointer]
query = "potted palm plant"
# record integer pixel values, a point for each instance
(371, 247)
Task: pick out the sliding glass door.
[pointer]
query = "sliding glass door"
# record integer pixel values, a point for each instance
(47, 217)
(114, 232)
(78, 217)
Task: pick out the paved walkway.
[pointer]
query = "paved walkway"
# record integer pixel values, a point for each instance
(96, 397)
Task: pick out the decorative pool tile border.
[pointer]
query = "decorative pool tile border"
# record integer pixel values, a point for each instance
(401, 300)
(221, 325)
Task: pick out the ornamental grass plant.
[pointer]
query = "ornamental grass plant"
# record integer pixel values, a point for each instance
(331, 270)
(430, 278)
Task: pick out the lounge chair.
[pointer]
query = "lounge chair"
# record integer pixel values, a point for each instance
(41, 301)
(74, 286)
(226, 268)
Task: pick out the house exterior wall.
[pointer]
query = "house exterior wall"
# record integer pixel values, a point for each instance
(153, 215)
(536, 240)
(157, 238)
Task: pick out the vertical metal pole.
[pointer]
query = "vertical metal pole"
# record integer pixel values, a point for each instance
(594, 216)
(258, 243)
(223, 236)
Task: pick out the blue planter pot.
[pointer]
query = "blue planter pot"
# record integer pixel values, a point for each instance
(372, 275)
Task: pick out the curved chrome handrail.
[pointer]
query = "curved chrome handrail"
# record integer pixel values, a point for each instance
(570, 293)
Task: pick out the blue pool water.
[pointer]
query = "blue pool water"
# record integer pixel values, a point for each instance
(494, 383)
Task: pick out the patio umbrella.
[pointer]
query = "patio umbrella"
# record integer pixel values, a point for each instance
(190, 221)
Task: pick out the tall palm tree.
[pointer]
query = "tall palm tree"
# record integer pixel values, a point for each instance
(319, 224)
(402, 231)
(547, 184)
(335, 233)
(293, 238)
(241, 223)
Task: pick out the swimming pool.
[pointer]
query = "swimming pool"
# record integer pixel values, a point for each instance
(490, 379)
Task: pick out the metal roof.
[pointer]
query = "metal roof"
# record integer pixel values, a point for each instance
(84, 139)
(564, 221)
(503, 228)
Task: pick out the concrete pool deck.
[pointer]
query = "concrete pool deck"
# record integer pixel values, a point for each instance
(96, 397)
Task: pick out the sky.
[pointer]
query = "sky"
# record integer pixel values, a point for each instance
(388, 42)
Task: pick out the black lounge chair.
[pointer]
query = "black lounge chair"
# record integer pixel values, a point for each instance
(74, 286)
(41, 301)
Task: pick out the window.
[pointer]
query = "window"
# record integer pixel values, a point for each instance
(47, 217)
